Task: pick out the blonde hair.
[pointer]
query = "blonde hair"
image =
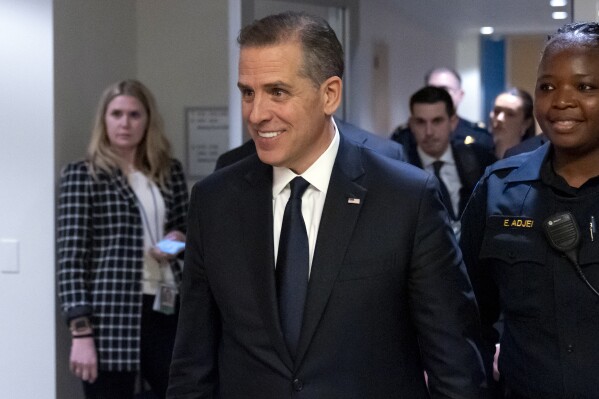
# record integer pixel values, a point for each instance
(154, 151)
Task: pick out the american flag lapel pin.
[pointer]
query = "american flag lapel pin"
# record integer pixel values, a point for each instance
(353, 201)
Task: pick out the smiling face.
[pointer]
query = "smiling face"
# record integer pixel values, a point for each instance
(288, 117)
(126, 122)
(567, 98)
(432, 127)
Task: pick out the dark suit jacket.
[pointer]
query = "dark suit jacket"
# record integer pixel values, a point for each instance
(386, 276)
(471, 161)
(369, 140)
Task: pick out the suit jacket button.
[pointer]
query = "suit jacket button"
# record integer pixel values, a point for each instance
(298, 385)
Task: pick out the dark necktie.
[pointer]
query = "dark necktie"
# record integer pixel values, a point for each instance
(293, 266)
(437, 165)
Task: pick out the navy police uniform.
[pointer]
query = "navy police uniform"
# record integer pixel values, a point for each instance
(469, 132)
(550, 339)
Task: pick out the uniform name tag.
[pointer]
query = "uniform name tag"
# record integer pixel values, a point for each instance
(511, 222)
(518, 222)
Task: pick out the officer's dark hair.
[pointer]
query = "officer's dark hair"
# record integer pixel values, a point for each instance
(441, 70)
(322, 52)
(432, 95)
(527, 109)
(576, 33)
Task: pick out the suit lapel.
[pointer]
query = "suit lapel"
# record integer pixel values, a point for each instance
(344, 200)
(256, 210)
(122, 187)
(469, 170)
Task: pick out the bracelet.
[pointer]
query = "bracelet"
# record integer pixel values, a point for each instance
(82, 336)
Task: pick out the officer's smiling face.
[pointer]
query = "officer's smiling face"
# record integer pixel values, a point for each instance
(567, 97)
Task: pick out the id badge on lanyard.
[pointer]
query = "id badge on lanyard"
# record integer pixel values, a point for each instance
(165, 300)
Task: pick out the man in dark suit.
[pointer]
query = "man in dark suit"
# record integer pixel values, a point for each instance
(460, 165)
(465, 131)
(370, 291)
(369, 140)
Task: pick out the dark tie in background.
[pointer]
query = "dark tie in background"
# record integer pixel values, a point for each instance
(437, 165)
(293, 266)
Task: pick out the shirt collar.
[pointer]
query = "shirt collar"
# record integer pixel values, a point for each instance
(550, 178)
(427, 160)
(318, 174)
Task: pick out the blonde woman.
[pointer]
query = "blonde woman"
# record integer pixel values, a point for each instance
(118, 289)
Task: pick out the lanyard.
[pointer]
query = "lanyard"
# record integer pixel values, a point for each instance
(145, 218)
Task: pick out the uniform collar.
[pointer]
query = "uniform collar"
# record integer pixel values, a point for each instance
(530, 169)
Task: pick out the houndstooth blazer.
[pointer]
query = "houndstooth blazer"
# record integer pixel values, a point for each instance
(100, 255)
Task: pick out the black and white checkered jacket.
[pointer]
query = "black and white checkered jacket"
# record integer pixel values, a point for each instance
(100, 252)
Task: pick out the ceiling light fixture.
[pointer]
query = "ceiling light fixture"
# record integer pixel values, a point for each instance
(487, 30)
(558, 3)
(559, 15)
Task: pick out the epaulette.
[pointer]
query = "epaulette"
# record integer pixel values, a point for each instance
(506, 163)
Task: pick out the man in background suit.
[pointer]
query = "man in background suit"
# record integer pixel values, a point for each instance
(465, 131)
(369, 140)
(432, 121)
(382, 290)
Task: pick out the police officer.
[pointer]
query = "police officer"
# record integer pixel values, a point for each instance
(549, 302)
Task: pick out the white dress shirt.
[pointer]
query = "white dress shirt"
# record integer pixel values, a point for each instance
(318, 175)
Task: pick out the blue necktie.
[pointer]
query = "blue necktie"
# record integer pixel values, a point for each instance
(293, 266)
(445, 197)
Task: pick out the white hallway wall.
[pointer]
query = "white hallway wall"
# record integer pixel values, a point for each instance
(27, 349)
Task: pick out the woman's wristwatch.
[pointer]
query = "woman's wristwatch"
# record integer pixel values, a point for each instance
(80, 327)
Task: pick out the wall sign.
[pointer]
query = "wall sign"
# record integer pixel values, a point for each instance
(207, 137)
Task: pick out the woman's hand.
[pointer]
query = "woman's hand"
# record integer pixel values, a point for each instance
(84, 359)
(175, 235)
(160, 256)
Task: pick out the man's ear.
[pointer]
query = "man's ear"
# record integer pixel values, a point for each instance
(331, 91)
(454, 120)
